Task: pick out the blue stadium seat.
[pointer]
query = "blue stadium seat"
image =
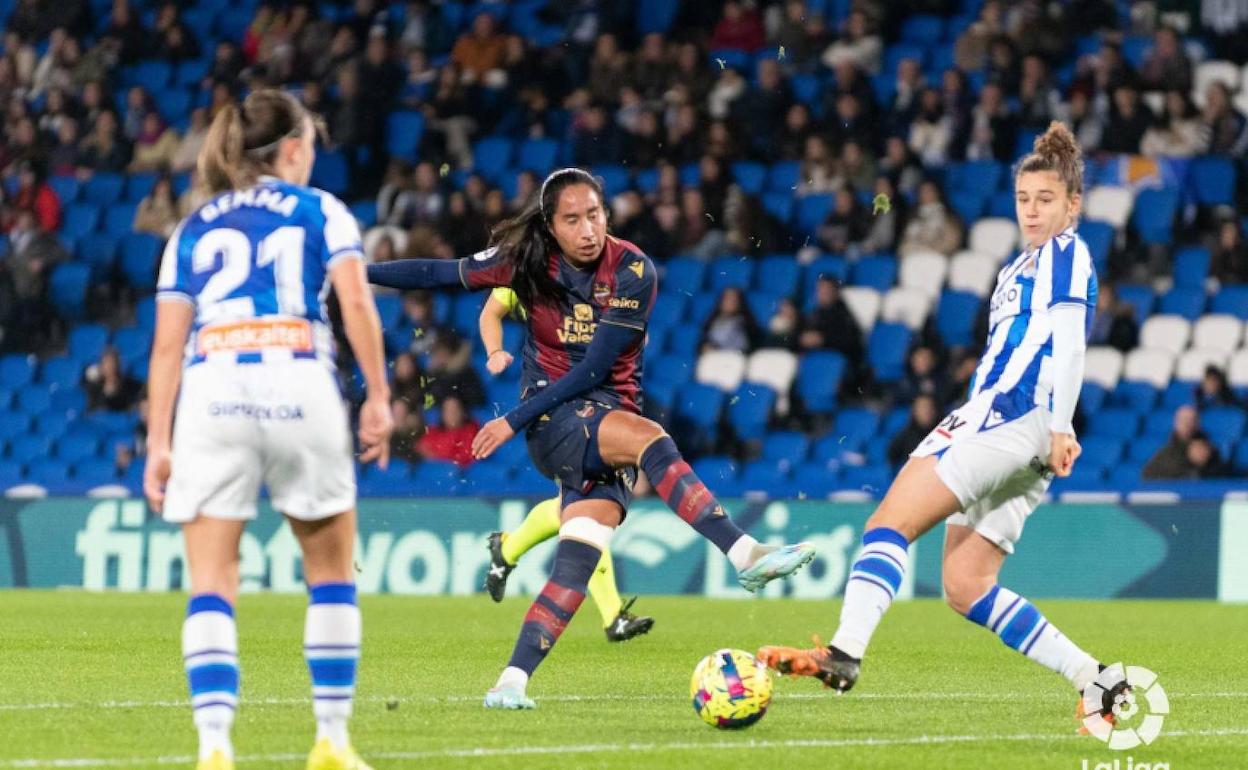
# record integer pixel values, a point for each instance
(778, 274)
(690, 175)
(879, 273)
(1092, 397)
(95, 472)
(60, 372)
(48, 473)
(1101, 451)
(819, 380)
(139, 260)
(968, 204)
(491, 156)
(145, 313)
(537, 155)
(1142, 448)
(1000, 204)
(615, 179)
(366, 212)
(65, 186)
(10, 474)
(1185, 301)
(77, 446)
(683, 274)
(784, 176)
(1137, 396)
(191, 71)
(1223, 424)
(152, 75)
(814, 480)
(807, 88)
(1191, 267)
(779, 205)
(977, 176)
(404, 130)
(119, 219)
(699, 405)
(857, 426)
(487, 477)
(750, 176)
(103, 188)
(1233, 300)
(512, 455)
(1240, 459)
(922, 29)
(763, 305)
(1142, 298)
(330, 173)
(12, 425)
(1114, 423)
(894, 54)
(728, 58)
(894, 421)
(87, 341)
(26, 449)
(466, 314)
(731, 271)
(174, 105)
(826, 265)
(389, 309)
(34, 399)
(646, 180)
(886, 350)
(16, 371)
(434, 477)
(787, 447)
(1100, 239)
(1153, 215)
(67, 289)
(133, 343)
(764, 476)
(655, 16)
(668, 308)
(872, 479)
(139, 185)
(671, 368)
(1212, 181)
(749, 410)
(80, 220)
(71, 401)
(1126, 475)
(811, 211)
(720, 474)
(955, 317)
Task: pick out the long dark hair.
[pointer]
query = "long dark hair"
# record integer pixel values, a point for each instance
(527, 242)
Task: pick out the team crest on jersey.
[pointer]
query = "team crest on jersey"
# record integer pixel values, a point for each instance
(602, 292)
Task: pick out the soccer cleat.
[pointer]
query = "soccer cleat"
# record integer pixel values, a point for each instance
(512, 698)
(217, 760)
(827, 664)
(326, 756)
(1110, 698)
(627, 625)
(496, 575)
(777, 563)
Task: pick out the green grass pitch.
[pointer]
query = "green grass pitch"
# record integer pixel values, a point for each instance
(95, 680)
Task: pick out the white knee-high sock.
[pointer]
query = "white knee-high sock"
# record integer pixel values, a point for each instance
(210, 655)
(873, 582)
(331, 645)
(1021, 627)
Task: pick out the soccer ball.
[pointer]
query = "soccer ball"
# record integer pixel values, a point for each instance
(730, 689)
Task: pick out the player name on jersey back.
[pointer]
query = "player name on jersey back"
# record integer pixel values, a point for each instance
(258, 197)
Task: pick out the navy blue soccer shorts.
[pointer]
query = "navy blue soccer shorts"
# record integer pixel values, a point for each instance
(563, 444)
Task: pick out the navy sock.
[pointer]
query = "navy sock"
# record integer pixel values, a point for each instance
(684, 493)
(556, 604)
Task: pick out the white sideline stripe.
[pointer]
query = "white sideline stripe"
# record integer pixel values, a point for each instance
(594, 748)
(818, 695)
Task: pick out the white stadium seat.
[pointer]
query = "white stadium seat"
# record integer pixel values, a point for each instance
(1218, 331)
(924, 270)
(864, 303)
(1167, 332)
(1237, 369)
(1149, 365)
(723, 369)
(906, 305)
(776, 368)
(1108, 204)
(973, 272)
(1192, 363)
(1214, 72)
(1103, 366)
(997, 237)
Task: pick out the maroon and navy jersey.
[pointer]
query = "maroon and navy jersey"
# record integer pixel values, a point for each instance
(618, 289)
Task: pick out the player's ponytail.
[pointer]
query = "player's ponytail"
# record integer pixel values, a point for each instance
(1056, 150)
(527, 242)
(243, 141)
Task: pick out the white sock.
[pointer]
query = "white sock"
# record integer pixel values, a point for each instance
(874, 580)
(210, 655)
(742, 553)
(331, 645)
(512, 678)
(1021, 627)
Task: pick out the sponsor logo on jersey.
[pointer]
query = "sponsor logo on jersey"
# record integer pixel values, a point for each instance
(578, 328)
(256, 335)
(625, 303)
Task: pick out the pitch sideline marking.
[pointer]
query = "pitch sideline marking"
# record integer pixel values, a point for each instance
(593, 748)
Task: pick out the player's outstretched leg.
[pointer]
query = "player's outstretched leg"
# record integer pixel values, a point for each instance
(618, 623)
(874, 580)
(331, 645)
(581, 543)
(210, 654)
(684, 493)
(539, 525)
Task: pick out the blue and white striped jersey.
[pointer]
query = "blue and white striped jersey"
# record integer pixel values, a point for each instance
(1017, 364)
(255, 265)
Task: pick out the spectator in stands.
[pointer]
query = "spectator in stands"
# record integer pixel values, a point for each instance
(1129, 118)
(633, 221)
(959, 382)
(56, 110)
(107, 387)
(643, 145)
(739, 29)
(480, 51)
(1179, 133)
(595, 139)
(187, 152)
(451, 439)
(858, 44)
(993, 127)
(785, 326)
(1003, 69)
(408, 382)
(608, 68)
(64, 157)
(1229, 255)
(461, 227)
(1228, 129)
(731, 326)
(24, 144)
(1166, 67)
(728, 88)
(907, 88)
(35, 195)
(846, 223)
(1204, 461)
(797, 129)
(1213, 390)
(1039, 101)
(1085, 121)
(1115, 323)
(830, 324)
(419, 203)
(899, 165)
(450, 373)
(418, 316)
(449, 114)
(383, 247)
(820, 170)
(789, 28)
(157, 213)
(970, 52)
(125, 29)
(933, 226)
(138, 106)
(155, 146)
(924, 416)
(883, 225)
(409, 427)
(105, 149)
(931, 131)
(923, 377)
(24, 313)
(858, 166)
(1171, 461)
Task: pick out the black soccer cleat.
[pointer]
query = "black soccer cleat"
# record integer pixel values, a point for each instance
(827, 664)
(1110, 697)
(496, 575)
(627, 625)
